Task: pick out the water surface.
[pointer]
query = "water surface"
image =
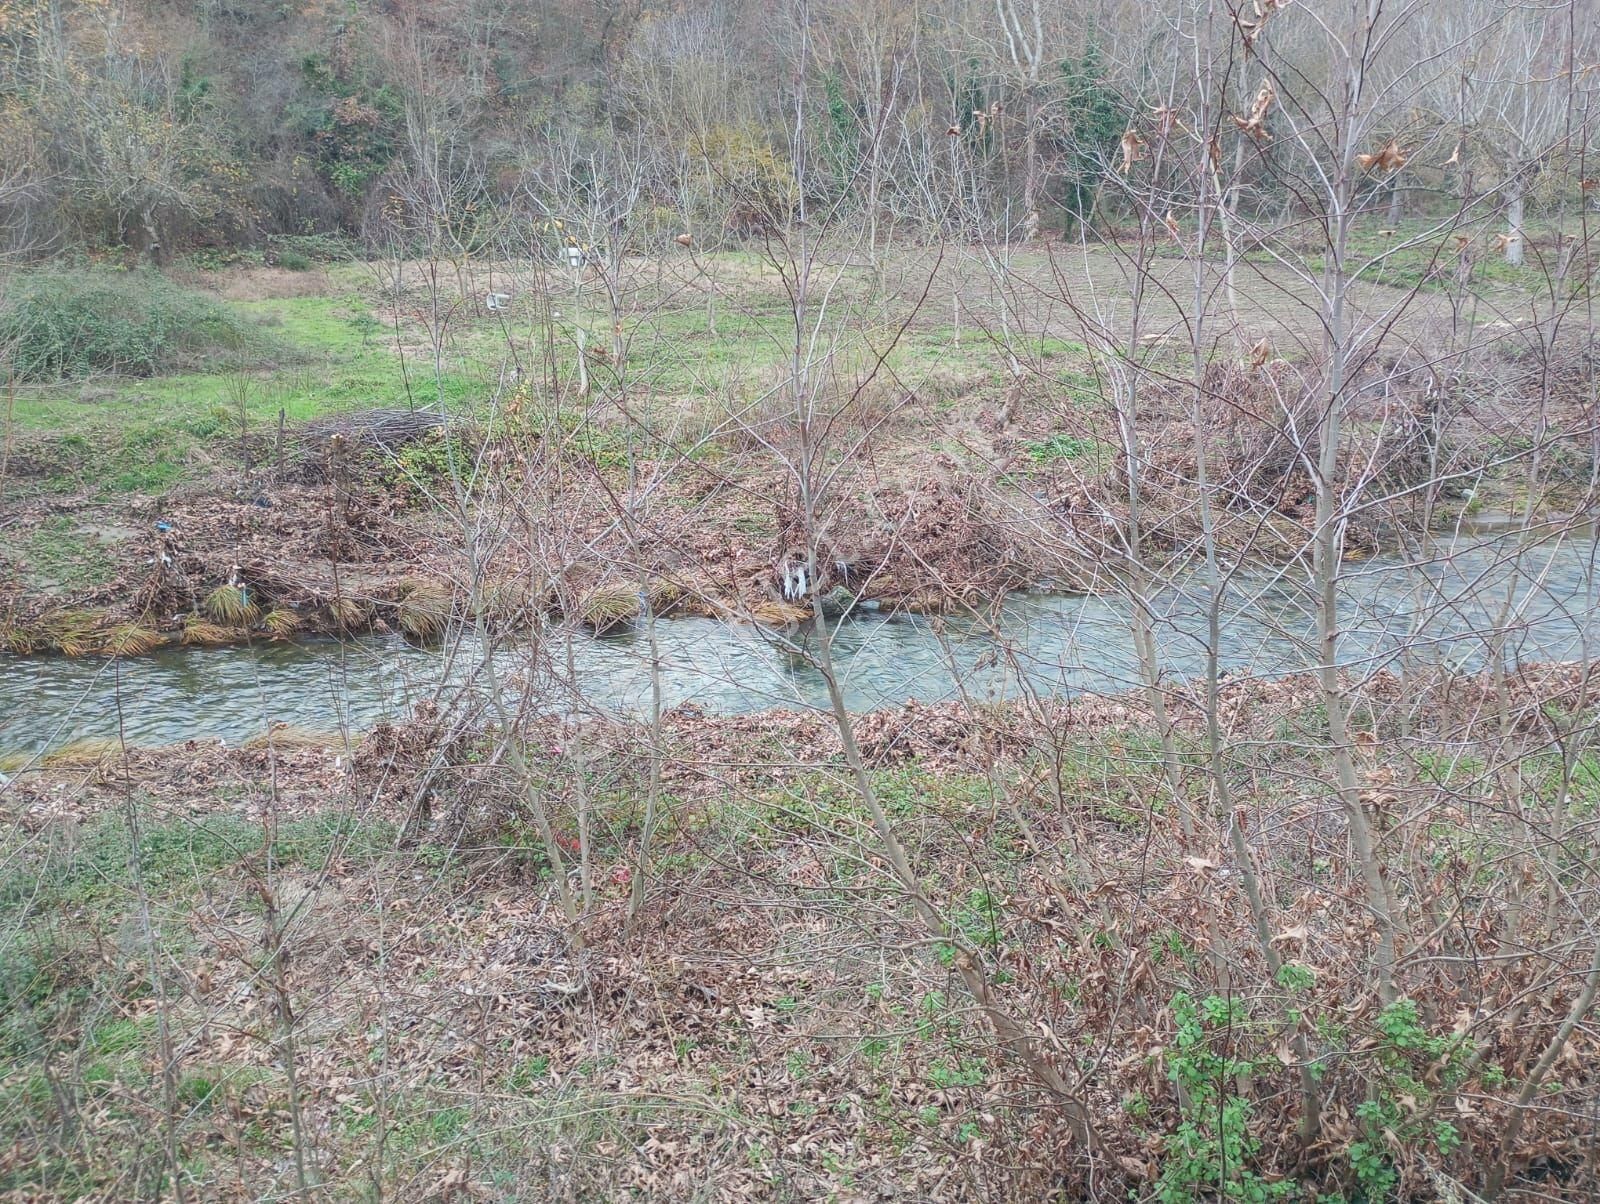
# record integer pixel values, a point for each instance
(1538, 602)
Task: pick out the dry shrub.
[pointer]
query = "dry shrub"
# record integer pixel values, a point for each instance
(1263, 424)
(846, 403)
(939, 538)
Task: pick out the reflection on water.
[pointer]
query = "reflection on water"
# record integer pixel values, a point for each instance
(1448, 611)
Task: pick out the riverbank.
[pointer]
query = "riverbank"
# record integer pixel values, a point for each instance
(325, 494)
(1450, 610)
(355, 965)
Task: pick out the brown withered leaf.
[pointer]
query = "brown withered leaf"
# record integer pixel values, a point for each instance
(1132, 150)
(1254, 124)
(1389, 157)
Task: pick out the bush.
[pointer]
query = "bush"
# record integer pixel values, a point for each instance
(298, 252)
(59, 324)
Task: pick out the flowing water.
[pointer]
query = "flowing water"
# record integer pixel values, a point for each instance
(1539, 602)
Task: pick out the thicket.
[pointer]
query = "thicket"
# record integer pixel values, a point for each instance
(63, 323)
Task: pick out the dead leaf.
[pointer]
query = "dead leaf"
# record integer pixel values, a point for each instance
(1388, 158)
(1132, 150)
(1254, 124)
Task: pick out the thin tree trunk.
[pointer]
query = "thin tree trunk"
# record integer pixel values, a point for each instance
(1515, 190)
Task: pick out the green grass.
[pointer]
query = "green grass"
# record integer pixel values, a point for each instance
(73, 323)
(57, 555)
(1430, 264)
(1062, 446)
(113, 435)
(677, 352)
(177, 858)
(74, 990)
(118, 435)
(1382, 253)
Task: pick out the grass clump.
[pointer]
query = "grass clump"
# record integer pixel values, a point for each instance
(70, 632)
(61, 323)
(286, 735)
(608, 607)
(779, 614)
(349, 614)
(130, 639)
(1061, 447)
(281, 623)
(665, 595)
(82, 754)
(200, 634)
(423, 610)
(230, 605)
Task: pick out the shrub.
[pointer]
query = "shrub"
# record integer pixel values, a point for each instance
(312, 249)
(73, 323)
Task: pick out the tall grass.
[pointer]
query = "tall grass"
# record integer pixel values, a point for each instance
(61, 323)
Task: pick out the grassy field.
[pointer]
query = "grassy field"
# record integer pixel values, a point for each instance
(108, 436)
(696, 333)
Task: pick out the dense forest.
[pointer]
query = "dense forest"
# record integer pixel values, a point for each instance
(166, 128)
(800, 599)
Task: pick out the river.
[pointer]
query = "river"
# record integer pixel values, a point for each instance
(1448, 611)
